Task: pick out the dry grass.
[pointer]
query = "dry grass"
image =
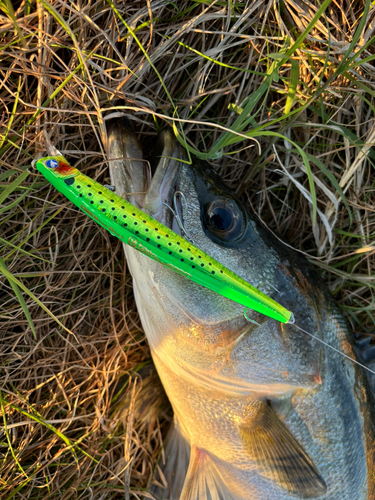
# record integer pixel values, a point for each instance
(77, 420)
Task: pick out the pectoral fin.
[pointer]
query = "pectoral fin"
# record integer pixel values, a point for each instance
(279, 456)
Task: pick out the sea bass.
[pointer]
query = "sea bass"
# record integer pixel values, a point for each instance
(262, 411)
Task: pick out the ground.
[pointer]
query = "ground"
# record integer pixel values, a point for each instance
(277, 95)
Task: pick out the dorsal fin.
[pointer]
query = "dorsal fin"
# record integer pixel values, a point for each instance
(203, 480)
(279, 456)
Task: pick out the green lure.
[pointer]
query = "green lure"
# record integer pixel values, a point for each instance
(142, 232)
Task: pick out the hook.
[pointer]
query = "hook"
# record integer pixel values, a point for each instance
(176, 214)
(248, 319)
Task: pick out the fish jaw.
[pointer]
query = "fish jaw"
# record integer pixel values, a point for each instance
(127, 167)
(158, 200)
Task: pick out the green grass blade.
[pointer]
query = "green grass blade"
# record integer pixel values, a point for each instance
(294, 78)
(20, 298)
(8, 438)
(10, 12)
(345, 62)
(153, 67)
(267, 133)
(10, 277)
(13, 114)
(280, 59)
(238, 125)
(309, 27)
(56, 92)
(37, 417)
(34, 232)
(65, 26)
(9, 189)
(30, 254)
(215, 61)
(15, 202)
(333, 180)
(24, 483)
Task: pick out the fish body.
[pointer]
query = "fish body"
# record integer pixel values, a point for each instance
(261, 411)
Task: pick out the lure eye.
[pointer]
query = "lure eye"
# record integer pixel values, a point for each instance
(52, 163)
(224, 219)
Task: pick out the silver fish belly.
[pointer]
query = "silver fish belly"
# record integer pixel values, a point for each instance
(261, 412)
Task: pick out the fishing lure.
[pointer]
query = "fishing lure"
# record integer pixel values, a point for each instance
(142, 232)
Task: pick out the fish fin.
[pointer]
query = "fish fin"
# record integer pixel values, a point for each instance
(203, 480)
(171, 476)
(279, 455)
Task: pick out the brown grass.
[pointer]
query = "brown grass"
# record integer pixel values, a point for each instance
(77, 419)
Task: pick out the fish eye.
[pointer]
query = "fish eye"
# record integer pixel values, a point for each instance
(224, 219)
(52, 163)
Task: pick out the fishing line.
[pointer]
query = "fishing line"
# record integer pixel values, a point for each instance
(334, 349)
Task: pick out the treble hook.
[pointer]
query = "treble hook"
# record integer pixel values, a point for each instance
(176, 214)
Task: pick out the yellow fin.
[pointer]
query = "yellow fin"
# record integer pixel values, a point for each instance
(279, 456)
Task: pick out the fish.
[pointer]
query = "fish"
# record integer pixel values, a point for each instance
(262, 410)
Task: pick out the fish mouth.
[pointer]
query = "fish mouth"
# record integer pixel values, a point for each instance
(130, 172)
(162, 200)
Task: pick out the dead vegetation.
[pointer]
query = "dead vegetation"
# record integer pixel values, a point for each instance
(296, 76)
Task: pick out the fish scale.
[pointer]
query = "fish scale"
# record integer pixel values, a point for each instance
(132, 226)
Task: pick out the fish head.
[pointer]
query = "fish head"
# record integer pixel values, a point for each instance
(197, 333)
